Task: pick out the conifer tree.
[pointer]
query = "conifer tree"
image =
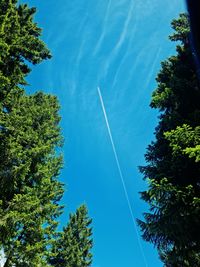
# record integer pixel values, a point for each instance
(73, 247)
(29, 141)
(30, 160)
(19, 44)
(29, 171)
(173, 169)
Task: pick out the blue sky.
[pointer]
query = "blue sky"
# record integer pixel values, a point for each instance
(117, 45)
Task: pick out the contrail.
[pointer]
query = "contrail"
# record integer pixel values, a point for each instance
(121, 176)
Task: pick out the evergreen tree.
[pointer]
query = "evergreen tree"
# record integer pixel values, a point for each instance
(29, 141)
(72, 249)
(30, 160)
(173, 169)
(29, 185)
(19, 44)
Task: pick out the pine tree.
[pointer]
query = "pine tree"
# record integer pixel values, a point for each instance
(29, 171)
(29, 142)
(19, 44)
(173, 169)
(72, 249)
(30, 159)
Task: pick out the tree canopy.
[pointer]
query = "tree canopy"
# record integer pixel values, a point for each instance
(30, 138)
(173, 169)
(74, 244)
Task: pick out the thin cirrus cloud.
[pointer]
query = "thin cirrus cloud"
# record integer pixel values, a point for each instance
(125, 27)
(116, 44)
(91, 62)
(103, 33)
(101, 44)
(101, 59)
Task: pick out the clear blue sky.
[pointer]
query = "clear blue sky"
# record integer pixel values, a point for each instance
(118, 45)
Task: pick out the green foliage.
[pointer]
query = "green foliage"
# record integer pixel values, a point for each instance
(30, 159)
(72, 249)
(29, 137)
(185, 140)
(19, 43)
(173, 168)
(29, 170)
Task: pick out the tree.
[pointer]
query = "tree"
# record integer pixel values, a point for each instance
(72, 249)
(29, 171)
(173, 169)
(29, 141)
(19, 44)
(30, 158)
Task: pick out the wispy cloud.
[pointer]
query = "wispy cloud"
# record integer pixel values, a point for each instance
(152, 69)
(125, 56)
(126, 32)
(148, 80)
(105, 21)
(125, 27)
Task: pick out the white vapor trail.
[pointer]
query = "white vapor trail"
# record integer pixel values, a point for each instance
(121, 176)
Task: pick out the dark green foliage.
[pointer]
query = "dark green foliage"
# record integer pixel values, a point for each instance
(173, 169)
(72, 249)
